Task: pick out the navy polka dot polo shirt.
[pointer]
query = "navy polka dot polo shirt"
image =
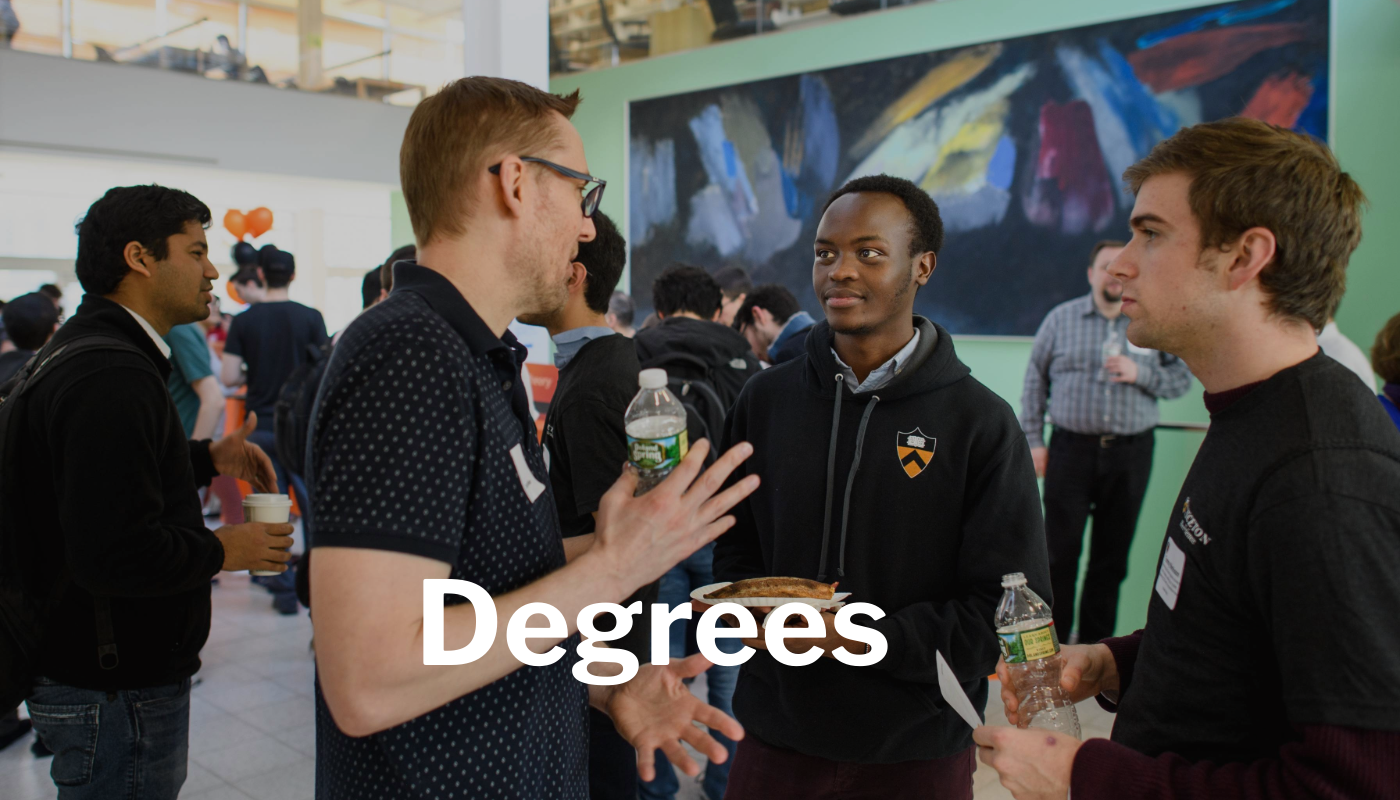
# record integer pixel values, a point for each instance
(411, 451)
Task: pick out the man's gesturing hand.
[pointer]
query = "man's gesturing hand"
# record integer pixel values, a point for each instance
(656, 710)
(1087, 670)
(639, 538)
(233, 455)
(256, 545)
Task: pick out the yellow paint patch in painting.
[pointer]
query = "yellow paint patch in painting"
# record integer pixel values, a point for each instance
(937, 84)
(962, 163)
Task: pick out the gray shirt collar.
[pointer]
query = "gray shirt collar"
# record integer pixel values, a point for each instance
(568, 343)
(881, 376)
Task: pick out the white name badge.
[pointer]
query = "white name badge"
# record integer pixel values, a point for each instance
(532, 486)
(1169, 577)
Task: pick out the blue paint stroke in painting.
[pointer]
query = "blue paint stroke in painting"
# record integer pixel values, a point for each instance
(1224, 16)
(821, 150)
(652, 180)
(1313, 120)
(744, 208)
(1128, 120)
(1001, 170)
(717, 156)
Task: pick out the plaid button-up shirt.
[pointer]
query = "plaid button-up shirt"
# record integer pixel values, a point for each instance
(1066, 376)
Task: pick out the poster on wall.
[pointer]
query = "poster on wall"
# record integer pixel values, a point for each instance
(1021, 142)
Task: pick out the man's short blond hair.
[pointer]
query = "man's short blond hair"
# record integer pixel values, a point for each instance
(452, 134)
(1245, 174)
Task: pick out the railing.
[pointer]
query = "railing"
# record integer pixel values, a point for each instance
(392, 51)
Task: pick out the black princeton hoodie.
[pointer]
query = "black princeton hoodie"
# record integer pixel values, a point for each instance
(917, 497)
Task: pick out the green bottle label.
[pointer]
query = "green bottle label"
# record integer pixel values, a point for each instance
(1037, 643)
(654, 454)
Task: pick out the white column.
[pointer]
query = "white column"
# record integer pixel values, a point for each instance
(507, 39)
(309, 45)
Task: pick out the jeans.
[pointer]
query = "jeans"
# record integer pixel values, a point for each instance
(676, 585)
(130, 744)
(267, 440)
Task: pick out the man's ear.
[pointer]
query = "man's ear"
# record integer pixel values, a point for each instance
(923, 270)
(578, 277)
(1249, 255)
(1089, 273)
(136, 258)
(509, 185)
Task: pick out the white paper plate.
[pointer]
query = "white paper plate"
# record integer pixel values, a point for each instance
(699, 594)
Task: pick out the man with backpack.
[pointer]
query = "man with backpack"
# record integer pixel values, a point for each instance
(105, 562)
(707, 363)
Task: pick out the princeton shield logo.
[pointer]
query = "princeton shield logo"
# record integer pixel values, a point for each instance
(915, 451)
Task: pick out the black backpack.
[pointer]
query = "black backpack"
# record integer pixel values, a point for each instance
(293, 411)
(23, 616)
(689, 378)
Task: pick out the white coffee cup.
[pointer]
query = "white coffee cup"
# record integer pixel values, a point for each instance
(266, 508)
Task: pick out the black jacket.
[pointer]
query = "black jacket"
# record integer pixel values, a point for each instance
(107, 485)
(917, 497)
(724, 350)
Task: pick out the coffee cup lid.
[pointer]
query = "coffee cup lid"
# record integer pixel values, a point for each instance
(267, 500)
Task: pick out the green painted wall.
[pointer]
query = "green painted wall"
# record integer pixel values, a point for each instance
(1366, 119)
(400, 229)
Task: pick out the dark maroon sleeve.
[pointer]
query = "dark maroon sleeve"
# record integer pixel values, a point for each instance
(1124, 650)
(1331, 762)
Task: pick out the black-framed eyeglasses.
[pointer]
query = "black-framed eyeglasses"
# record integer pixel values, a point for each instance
(591, 198)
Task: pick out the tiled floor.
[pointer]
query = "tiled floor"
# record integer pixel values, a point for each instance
(252, 721)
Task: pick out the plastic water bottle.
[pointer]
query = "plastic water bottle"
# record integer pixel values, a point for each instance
(1032, 654)
(656, 435)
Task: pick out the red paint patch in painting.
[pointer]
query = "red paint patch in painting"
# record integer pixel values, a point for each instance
(1280, 100)
(1196, 58)
(1071, 190)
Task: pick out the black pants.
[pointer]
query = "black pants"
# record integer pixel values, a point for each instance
(612, 763)
(1105, 477)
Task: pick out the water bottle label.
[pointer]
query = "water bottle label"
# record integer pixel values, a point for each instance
(661, 453)
(1020, 647)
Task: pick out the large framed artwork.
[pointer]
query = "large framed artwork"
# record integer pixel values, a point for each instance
(1022, 143)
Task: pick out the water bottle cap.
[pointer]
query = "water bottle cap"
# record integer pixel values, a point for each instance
(652, 378)
(1012, 580)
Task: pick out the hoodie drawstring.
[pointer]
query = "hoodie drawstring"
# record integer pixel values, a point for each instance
(831, 474)
(850, 481)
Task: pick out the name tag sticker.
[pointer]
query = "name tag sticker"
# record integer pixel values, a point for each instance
(532, 486)
(1169, 577)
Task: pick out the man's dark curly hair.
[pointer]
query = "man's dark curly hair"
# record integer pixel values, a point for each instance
(684, 288)
(149, 215)
(604, 258)
(927, 223)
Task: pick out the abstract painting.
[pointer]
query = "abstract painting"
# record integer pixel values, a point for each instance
(1021, 142)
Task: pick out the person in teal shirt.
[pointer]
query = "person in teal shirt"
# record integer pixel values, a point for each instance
(196, 392)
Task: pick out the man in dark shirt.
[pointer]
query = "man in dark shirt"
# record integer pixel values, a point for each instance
(267, 342)
(1269, 667)
(30, 320)
(425, 465)
(100, 494)
(587, 446)
(775, 325)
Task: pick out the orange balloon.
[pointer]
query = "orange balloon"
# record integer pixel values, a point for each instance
(235, 223)
(233, 292)
(259, 221)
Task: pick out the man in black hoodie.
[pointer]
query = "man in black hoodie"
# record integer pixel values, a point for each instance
(919, 500)
(100, 509)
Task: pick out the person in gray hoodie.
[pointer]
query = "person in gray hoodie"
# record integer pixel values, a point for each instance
(920, 498)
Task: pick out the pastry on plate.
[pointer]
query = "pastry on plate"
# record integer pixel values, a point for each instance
(774, 587)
